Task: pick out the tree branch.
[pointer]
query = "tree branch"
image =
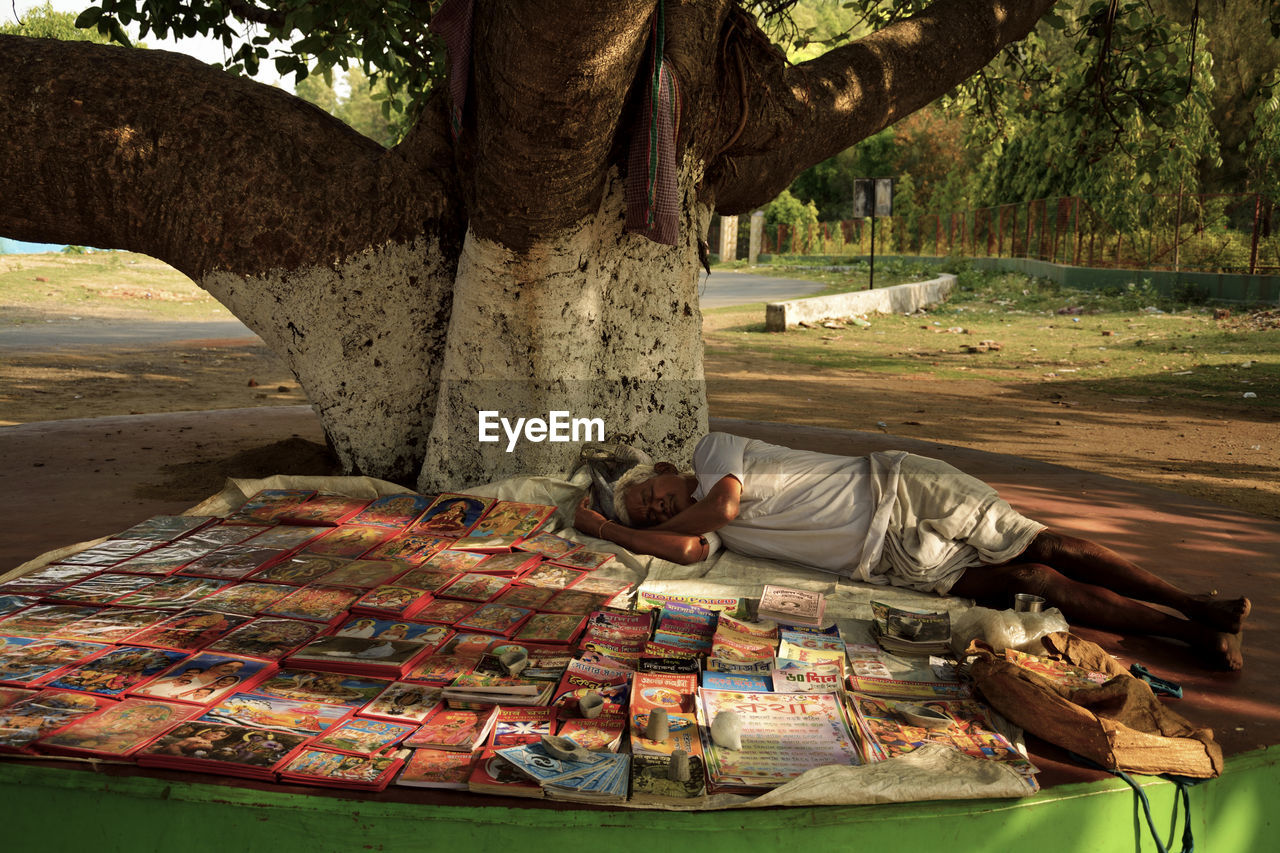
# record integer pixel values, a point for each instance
(804, 114)
(246, 11)
(159, 153)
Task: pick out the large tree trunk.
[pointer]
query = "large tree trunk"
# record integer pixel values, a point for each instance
(411, 289)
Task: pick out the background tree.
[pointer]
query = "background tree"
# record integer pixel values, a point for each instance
(410, 287)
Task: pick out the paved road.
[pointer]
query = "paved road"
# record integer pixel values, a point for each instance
(718, 290)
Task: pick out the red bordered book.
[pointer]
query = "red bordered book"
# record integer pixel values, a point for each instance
(116, 670)
(558, 629)
(112, 624)
(100, 589)
(204, 679)
(224, 533)
(327, 604)
(395, 511)
(312, 766)
(43, 620)
(290, 537)
(548, 545)
(426, 578)
(47, 579)
(299, 570)
(403, 702)
(165, 560)
(108, 553)
(602, 734)
(533, 597)
(474, 586)
(266, 638)
(260, 711)
(511, 564)
(455, 562)
(493, 774)
(331, 688)
(247, 598)
(574, 601)
(587, 561)
(349, 541)
(504, 524)
(118, 730)
(364, 574)
(500, 619)
(515, 726)
(29, 717)
(453, 730)
(392, 601)
(267, 504)
(323, 511)
(166, 528)
(552, 576)
(444, 611)
(412, 548)
(173, 593)
(30, 660)
(219, 748)
(189, 630)
(360, 736)
(233, 562)
(436, 768)
(439, 670)
(452, 514)
(357, 656)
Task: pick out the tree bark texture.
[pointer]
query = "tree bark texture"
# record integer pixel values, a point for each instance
(410, 288)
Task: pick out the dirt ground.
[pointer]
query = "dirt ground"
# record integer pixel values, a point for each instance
(1193, 448)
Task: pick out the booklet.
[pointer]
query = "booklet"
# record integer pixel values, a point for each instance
(267, 637)
(395, 511)
(117, 670)
(402, 701)
(312, 766)
(26, 660)
(118, 730)
(29, 717)
(259, 711)
(219, 748)
(452, 514)
(436, 768)
(204, 678)
(359, 736)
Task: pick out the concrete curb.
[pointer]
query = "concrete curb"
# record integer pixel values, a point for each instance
(899, 299)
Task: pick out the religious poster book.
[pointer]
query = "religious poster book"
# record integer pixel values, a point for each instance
(285, 536)
(916, 632)
(204, 679)
(111, 624)
(887, 732)
(42, 620)
(219, 748)
(671, 665)
(333, 688)
(173, 593)
(359, 736)
(275, 713)
(436, 768)
(499, 619)
(411, 548)
(30, 717)
(14, 603)
(493, 774)
(100, 589)
(479, 690)
(266, 505)
(506, 522)
(322, 511)
(454, 730)
(299, 570)
(402, 701)
(371, 628)
(783, 735)
(548, 545)
(108, 553)
(45, 580)
(118, 730)
(551, 628)
(452, 514)
(1058, 672)
(440, 669)
(349, 541)
(581, 678)
(393, 601)
(584, 559)
(395, 511)
(474, 586)
(444, 611)
(325, 604)
(791, 606)
(233, 562)
(165, 559)
(425, 577)
(246, 598)
(267, 638)
(509, 564)
(363, 573)
(188, 630)
(522, 725)
(313, 766)
(226, 532)
(576, 601)
(28, 660)
(454, 562)
(674, 694)
(116, 670)
(552, 576)
(533, 597)
(166, 528)
(359, 656)
(601, 734)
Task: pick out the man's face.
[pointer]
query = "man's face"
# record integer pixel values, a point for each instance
(658, 499)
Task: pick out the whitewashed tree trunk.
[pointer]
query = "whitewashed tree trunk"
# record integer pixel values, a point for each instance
(594, 322)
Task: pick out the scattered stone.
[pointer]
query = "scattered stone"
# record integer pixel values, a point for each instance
(42, 278)
(726, 730)
(1221, 313)
(253, 383)
(1106, 333)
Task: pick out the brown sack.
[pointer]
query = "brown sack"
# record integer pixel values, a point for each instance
(1119, 724)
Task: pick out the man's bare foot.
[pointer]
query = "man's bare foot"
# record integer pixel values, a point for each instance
(1222, 614)
(1225, 652)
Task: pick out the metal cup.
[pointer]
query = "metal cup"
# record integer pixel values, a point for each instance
(1025, 602)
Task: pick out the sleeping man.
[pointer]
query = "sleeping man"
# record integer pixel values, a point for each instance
(900, 519)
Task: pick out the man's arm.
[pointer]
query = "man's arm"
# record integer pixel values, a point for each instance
(668, 545)
(718, 508)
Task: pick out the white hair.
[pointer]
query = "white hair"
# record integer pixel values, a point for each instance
(633, 477)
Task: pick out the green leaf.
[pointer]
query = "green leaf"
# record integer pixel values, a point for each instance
(88, 18)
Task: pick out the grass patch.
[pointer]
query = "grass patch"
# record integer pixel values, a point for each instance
(844, 278)
(122, 285)
(1127, 342)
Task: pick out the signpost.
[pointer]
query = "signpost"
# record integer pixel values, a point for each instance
(873, 197)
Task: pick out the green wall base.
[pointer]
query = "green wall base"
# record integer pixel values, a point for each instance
(54, 808)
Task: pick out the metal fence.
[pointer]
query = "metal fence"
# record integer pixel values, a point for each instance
(1218, 232)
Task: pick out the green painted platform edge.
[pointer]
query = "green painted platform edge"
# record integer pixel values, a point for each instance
(51, 806)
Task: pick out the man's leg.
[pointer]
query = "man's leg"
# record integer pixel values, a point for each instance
(1095, 605)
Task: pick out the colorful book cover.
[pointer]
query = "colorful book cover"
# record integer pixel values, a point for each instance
(286, 536)
(275, 713)
(674, 694)
(232, 562)
(602, 734)
(510, 564)
(551, 628)
(269, 503)
(47, 579)
(14, 603)
(220, 748)
(363, 737)
(493, 774)
(117, 670)
(452, 514)
(108, 553)
(548, 545)
(245, 599)
(551, 576)
(436, 768)
(224, 533)
(314, 603)
(581, 678)
(649, 599)
(321, 767)
(498, 619)
(112, 624)
(349, 541)
(100, 589)
(444, 611)
(440, 669)
(424, 577)
(584, 559)
(474, 586)
(173, 593)
(411, 548)
(118, 730)
(603, 586)
(267, 637)
(355, 654)
(30, 717)
(510, 520)
(532, 597)
(322, 511)
(453, 730)
(744, 683)
(190, 630)
(42, 620)
(395, 511)
(370, 628)
(364, 574)
(166, 528)
(402, 701)
(808, 678)
(299, 570)
(574, 601)
(522, 725)
(455, 562)
(166, 559)
(394, 600)
(204, 678)
(331, 688)
(25, 660)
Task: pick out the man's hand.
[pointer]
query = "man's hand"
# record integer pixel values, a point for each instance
(586, 519)
(669, 546)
